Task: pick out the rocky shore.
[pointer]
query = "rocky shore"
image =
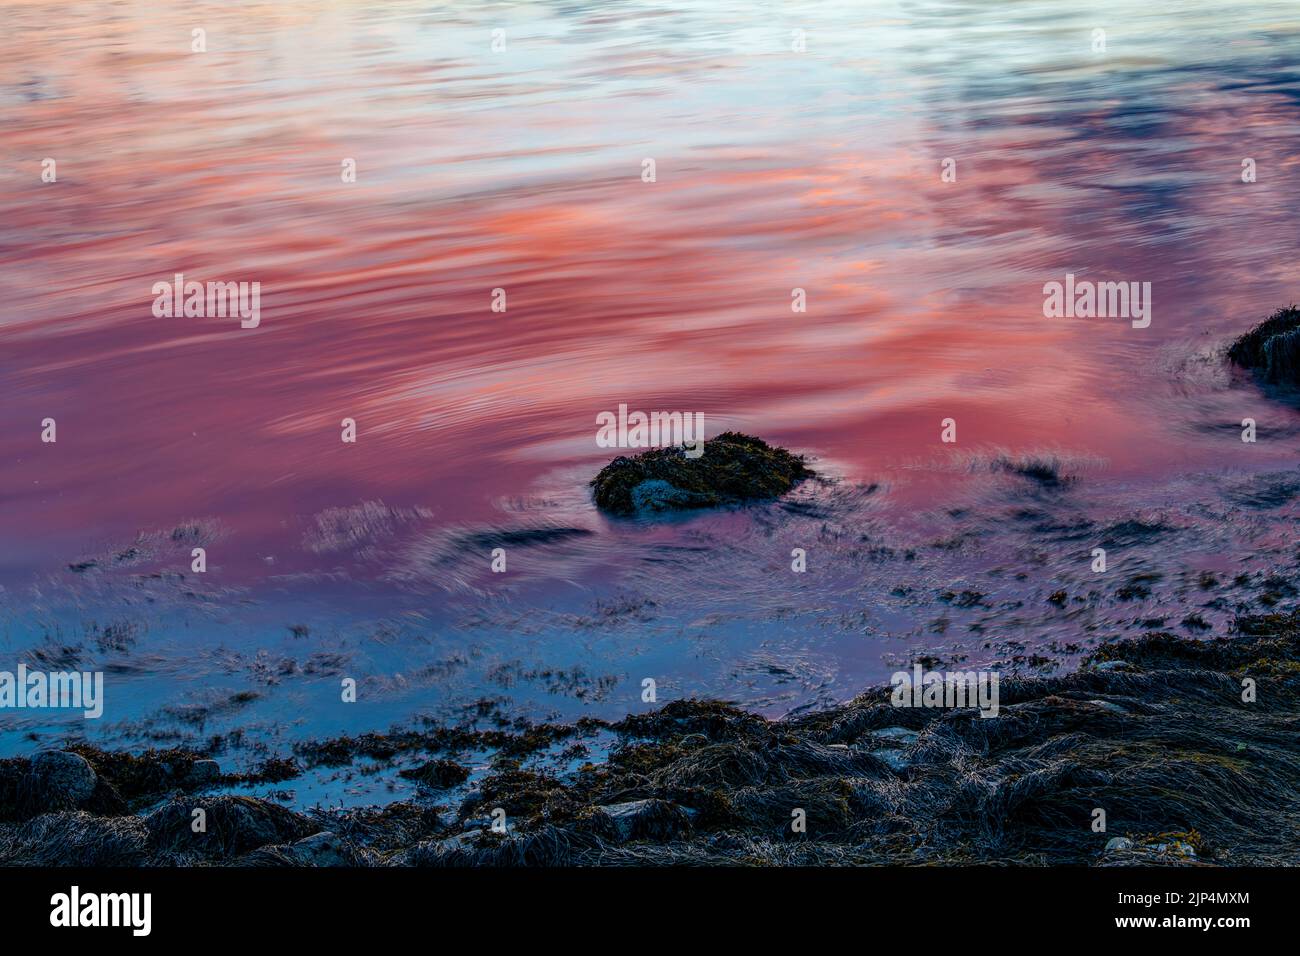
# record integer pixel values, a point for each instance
(1160, 733)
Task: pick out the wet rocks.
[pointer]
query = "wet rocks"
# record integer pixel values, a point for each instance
(1162, 849)
(1272, 348)
(902, 735)
(1109, 706)
(658, 495)
(226, 826)
(439, 851)
(733, 468)
(894, 759)
(645, 819)
(59, 781)
(894, 746)
(323, 849)
(203, 773)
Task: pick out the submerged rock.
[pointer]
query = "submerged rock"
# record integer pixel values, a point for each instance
(1272, 348)
(733, 468)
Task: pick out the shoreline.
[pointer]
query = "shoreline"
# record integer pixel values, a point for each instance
(1153, 731)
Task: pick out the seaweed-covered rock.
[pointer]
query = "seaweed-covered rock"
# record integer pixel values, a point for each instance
(75, 839)
(733, 468)
(324, 849)
(142, 779)
(60, 781)
(438, 774)
(644, 819)
(230, 825)
(203, 773)
(1272, 348)
(1161, 849)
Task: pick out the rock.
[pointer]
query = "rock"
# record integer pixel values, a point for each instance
(232, 825)
(895, 741)
(465, 838)
(895, 759)
(1272, 348)
(646, 820)
(900, 734)
(60, 780)
(1172, 848)
(203, 773)
(659, 495)
(733, 468)
(1110, 706)
(447, 819)
(1164, 846)
(323, 849)
(438, 851)
(725, 842)
(437, 774)
(892, 743)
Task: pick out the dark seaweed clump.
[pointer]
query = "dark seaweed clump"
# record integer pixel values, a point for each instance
(734, 468)
(1272, 348)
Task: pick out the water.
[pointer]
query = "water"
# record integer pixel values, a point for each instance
(521, 170)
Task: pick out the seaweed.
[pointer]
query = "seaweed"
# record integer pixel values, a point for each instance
(733, 468)
(437, 774)
(1272, 348)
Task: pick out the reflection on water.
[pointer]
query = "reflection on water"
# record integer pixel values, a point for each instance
(522, 170)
